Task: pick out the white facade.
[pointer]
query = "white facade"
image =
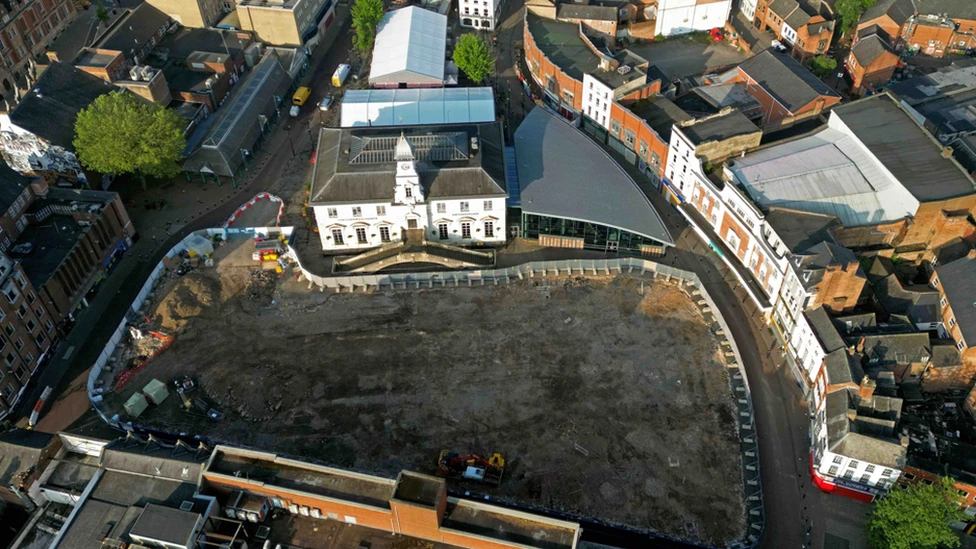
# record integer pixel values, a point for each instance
(683, 16)
(836, 466)
(764, 254)
(789, 34)
(26, 153)
(597, 98)
(479, 14)
(748, 9)
(460, 221)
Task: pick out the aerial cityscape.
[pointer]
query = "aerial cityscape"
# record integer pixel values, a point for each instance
(487, 274)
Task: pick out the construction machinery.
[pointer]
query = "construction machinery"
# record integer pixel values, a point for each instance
(471, 467)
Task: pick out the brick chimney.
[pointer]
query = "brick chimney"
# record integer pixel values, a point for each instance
(972, 254)
(860, 345)
(866, 389)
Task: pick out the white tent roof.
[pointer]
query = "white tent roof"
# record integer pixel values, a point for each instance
(407, 107)
(410, 40)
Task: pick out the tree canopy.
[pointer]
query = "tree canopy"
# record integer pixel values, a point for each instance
(916, 518)
(823, 66)
(366, 14)
(119, 134)
(472, 56)
(849, 11)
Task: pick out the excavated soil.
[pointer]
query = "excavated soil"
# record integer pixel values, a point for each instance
(608, 396)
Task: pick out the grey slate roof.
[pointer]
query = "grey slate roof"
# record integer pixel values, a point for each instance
(593, 12)
(184, 42)
(719, 127)
(869, 48)
(165, 524)
(958, 280)
(888, 132)
(785, 79)
(237, 124)
(134, 30)
(725, 95)
(339, 176)
(896, 349)
(963, 9)
(959, 76)
(842, 368)
(50, 108)
(584, 185)
(898, 10)
(801, 230)
(824, 329)
(19, 451)
(812, 263)
(13, 185)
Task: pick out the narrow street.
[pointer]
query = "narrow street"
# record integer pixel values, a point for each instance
(796, 513)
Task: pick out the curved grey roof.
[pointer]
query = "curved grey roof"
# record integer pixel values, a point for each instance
(562, 173)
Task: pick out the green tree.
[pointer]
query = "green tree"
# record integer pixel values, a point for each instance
(472, 56)
(823, 66)
(101, 13)
(366, 14)
(119, 134)
(916, 518)
(849, 11)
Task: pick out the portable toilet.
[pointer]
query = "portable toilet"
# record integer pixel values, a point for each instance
(136, 405)
(156, 391)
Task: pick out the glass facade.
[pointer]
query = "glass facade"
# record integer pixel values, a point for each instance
(595, 237)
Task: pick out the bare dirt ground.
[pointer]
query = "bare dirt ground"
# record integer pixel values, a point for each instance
(606, 403)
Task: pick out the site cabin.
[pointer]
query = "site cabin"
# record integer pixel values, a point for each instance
(471, 467)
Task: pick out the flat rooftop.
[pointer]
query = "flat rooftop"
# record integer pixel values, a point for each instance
(270, 4)
(94, 58)
(419, 489)
(660, 113)
(311, 533)
(322, 481)
(474, 518)
(51, 241)
(562, 45)
(719, 127)
(73, 472)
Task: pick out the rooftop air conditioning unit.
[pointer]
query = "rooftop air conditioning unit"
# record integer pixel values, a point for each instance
(623, 69)
(134, 73)
(147, 73)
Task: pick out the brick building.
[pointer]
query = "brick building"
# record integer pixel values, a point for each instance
(136, 33)
(413, 505)
(787, 91)
(933, 27)
(286, 23)
(29, 330)
(956, 283)
(871, 61)
(193, 13)
(28, 28)
(806, 26)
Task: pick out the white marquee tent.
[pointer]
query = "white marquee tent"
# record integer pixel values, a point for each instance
(417, 106)
(410, 49)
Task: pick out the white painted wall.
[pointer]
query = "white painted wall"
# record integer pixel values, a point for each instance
(836, 466)
(682, 16)
(597, 98)
(789, 34)
(429, 216)
(25, 152)
(748, 9)
(482, 13)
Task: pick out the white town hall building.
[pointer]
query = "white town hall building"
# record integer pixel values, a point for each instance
(371, 185)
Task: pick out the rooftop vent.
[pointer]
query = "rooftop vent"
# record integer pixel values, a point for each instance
(186, 506)
(623, 69)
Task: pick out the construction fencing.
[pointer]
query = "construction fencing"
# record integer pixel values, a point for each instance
(689, 282)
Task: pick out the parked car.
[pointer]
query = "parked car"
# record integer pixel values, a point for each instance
(717, 34)
(325, 104)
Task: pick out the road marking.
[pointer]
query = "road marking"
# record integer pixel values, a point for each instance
(68, 352)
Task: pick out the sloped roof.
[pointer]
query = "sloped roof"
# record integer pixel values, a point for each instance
(788, 81)
(800, 230)
(898, 10)
(410, 40)
(50, 108)
(962, 9)
(824, 329)
(870, 48)
(586, 185)
(133, 454)
(958, 280)
(889, 132)
(135, 29)
(357, 164)
(13, 185)
(843, 438)
(19, 451)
